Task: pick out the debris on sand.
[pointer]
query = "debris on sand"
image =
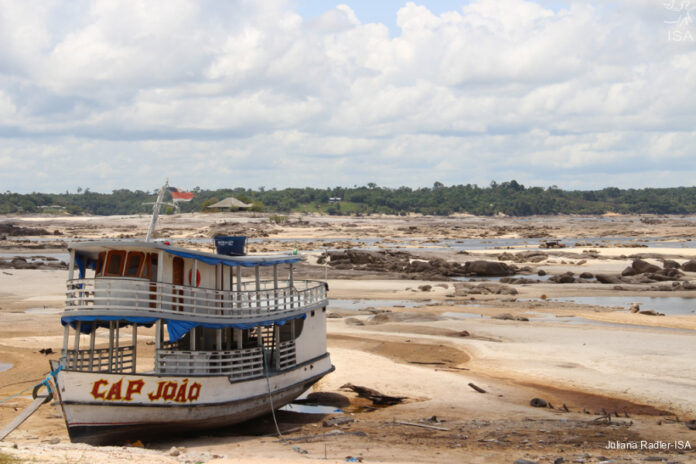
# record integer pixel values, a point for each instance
(373, 395)
(538, 403)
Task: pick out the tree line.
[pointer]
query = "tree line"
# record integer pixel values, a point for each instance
(510, 198)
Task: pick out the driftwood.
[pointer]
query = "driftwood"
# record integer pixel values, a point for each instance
(373, 395)
(477, 388)
(413, 424)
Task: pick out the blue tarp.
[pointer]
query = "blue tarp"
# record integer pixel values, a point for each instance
(176, 328)
(228, 262)
(84, 262)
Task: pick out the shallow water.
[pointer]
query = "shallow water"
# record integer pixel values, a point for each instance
(5, 366)
(668, 305)
(310, 409)
(357, 305)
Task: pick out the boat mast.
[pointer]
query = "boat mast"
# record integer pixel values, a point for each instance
(155, 210)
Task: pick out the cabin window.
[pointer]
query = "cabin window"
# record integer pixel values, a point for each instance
(150, 268)
(133, 264)
(114, 263)
(100, 263)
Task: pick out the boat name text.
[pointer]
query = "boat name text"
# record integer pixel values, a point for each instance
(165, 390)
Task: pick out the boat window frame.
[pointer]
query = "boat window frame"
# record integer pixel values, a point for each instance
(140, 265)
(109, 255)
(101, 260)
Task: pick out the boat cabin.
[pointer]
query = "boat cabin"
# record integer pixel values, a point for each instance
(212, 314)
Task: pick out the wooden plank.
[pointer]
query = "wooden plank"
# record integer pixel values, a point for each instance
(24, 415)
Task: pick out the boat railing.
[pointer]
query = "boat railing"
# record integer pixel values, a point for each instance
(128, 294)
(237, 364)
(100, 360)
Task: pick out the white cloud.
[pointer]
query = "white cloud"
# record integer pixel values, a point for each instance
(250, 93)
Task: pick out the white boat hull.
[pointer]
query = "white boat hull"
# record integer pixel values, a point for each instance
(113, 408)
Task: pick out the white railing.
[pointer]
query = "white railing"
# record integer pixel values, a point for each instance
(128, 294)
(286, 355)
(99, 360)
(237, 364)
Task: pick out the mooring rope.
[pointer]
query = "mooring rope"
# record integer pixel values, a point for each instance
(270, 395)
(46, 381)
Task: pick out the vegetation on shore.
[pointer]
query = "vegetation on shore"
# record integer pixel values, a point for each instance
(510, 198)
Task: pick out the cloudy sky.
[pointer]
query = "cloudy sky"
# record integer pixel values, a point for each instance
(112, 94)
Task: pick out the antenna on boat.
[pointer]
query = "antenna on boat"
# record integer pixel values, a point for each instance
(156, 208)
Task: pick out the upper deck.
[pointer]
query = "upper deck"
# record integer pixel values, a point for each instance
(152, 279)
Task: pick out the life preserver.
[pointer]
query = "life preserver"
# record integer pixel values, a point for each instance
(198, 277)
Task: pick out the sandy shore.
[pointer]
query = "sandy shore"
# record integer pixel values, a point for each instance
(428, 346)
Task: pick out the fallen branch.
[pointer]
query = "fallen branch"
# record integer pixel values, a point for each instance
(373, 395)
(477, 388)
(413, 424)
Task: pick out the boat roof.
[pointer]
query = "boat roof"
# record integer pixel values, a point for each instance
(91, 249)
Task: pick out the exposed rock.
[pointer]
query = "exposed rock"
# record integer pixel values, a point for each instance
(565, 278)
(353, 321)
(587, 275)
(541, 273)
(485, 288)
(538, 403)
(425, 288)
(689, 266)
(607, 279)
(488, 269)
(629, 271)
(635, 307)
(650, 313)
(670, 264)
(510, 317)
(642, 267)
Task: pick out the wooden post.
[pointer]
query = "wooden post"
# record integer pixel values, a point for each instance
(292, 287)
(71, 266)
(117, 342)
(160, 276)
(135, 345)
(257, 276)
(194, 281)
(92, 338)
(238, 338)
(76, 344)
(158, 335)
(218, 341)
(111, 346)
(192, 338)
(239, 287)
(275, 287)
(66, 336)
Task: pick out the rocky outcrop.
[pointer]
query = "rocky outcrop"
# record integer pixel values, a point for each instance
(485, 288)
(488, 269)
(642, 267)
(689, 266)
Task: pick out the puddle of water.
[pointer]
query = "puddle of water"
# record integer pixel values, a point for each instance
(311, 409)
(357, 305)
(543, 278)
(43, 311)
(668, 305)
(462, 315)
(5, 366)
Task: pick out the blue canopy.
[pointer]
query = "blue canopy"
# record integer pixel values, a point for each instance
(230, 262)
(176, 328)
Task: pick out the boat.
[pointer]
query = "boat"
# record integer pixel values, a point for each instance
(160, 339)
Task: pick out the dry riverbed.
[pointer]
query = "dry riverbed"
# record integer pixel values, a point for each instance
(401, 324)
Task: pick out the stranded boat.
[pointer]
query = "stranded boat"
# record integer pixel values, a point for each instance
(160, 339)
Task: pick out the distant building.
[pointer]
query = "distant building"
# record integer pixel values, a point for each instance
(230, 203)
(334, 199)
